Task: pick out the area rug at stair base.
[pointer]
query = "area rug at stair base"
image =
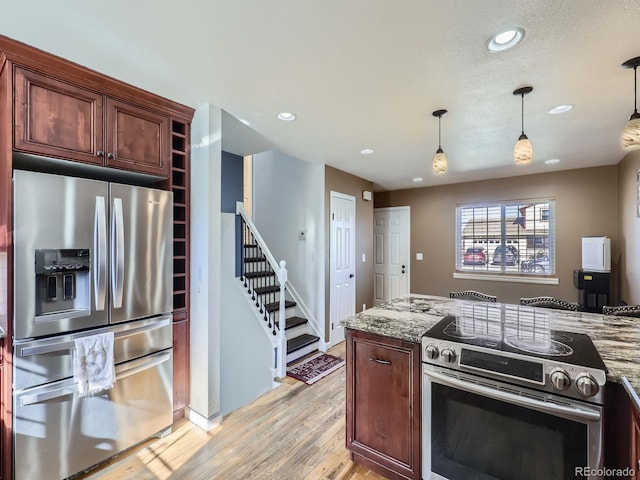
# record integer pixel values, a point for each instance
(315, 368)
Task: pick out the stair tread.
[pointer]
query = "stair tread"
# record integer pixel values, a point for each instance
(272, 307)
(267, 289)
(254, 259)
(301, 341)
(292, 322)
(264, 273)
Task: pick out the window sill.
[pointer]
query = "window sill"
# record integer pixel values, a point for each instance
(507, 278)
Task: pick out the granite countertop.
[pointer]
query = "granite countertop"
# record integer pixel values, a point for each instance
(408, 318)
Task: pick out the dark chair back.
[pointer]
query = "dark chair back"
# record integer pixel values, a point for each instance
(622, 310)
(550, 302)
(473, 295)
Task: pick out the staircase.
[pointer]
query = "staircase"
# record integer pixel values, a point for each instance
(266, 283)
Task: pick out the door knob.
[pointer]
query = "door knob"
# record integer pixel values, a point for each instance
(351, 275)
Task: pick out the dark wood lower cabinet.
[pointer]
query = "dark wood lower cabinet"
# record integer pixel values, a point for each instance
(383, 404)
(2, 466)
(618, 428)
(180, 367)
(634, 451)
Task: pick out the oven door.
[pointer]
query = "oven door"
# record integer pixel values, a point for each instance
(483, 429)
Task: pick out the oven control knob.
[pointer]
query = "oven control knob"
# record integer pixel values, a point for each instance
(560, 379)
(431, 351)
(448, 355)
(587, 385)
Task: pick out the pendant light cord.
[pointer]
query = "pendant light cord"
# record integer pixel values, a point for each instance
(439, 131)
(635, 89)
(522, 113)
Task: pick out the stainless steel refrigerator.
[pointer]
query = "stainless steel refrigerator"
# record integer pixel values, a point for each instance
(89, 257)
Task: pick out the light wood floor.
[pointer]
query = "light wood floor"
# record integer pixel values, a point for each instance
(294, 432)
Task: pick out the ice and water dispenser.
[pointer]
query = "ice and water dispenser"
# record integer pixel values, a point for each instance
(62, 282)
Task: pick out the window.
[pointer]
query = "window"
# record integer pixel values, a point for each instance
(506, 238)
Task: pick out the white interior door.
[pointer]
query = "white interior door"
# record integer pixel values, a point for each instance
(342, 262)
(391, 239)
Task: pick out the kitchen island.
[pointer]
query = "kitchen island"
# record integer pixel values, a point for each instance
(399, 326)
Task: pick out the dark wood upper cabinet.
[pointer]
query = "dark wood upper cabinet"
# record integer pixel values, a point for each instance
(60, 119)
(383, 404)
(137, 139)
(56, 118)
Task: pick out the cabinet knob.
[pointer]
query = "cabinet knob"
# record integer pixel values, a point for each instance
(110, 155)
(100, 153)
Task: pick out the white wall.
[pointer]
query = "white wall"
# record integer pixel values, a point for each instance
(206, 160)
(288, 197)
(246, 351)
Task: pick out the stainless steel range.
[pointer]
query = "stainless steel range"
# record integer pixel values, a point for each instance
(506, 396)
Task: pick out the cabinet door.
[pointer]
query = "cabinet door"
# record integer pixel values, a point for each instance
(383, 402)
(180, 367)
(635, 442)
(57, 119)
(137, 139)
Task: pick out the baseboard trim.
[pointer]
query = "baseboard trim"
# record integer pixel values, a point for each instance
(206, 424)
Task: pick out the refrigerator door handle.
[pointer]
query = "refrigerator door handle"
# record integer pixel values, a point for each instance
(100, 254)
(150, 362)
(117, 257)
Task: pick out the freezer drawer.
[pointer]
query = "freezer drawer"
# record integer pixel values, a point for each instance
(43, 361)
(57, 434)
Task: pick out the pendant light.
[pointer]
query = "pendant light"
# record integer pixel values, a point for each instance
(523, 151)
(631, 132)
(440, 162)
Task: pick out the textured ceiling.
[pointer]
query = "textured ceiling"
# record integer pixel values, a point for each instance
(368, 73)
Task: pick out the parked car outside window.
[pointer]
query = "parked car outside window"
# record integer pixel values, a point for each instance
(507, 255)
(474, 256)
(538, 265)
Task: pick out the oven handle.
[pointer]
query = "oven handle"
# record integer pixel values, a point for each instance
(565, 412)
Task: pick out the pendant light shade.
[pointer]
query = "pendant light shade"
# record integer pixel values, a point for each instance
(440, 163)
(523, 151)
(631, 132)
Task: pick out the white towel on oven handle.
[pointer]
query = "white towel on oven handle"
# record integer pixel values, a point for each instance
(93, 364)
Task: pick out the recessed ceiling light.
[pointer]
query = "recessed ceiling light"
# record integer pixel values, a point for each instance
(560, 109)
(287, 116)
(417, 179)
(505, 40)
(366, 151)
(552, 161)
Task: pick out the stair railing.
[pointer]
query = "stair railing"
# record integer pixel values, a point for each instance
(255, 280)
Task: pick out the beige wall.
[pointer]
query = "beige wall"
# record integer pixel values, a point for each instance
(339, 181)
(628, 276)
(586, 204)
